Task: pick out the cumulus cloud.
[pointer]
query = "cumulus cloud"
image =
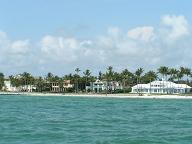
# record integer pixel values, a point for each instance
(144, 46)
(59, 48)
(145, 33)
(13, 54)
(19, 47)
(176, 26)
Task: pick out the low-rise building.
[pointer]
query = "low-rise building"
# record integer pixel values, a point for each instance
(8, 87)
(61, 87)
(24, 88)
(99, 86)
(162, 87)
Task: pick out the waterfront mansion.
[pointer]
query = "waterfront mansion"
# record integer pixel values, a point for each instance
(161, 87)
(100, 86)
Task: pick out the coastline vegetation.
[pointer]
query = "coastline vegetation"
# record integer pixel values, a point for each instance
(80, 79)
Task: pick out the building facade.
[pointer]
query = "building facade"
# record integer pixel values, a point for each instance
(8, 87)
(60, 87)
(99, 86)
(25, 88)
(161, 87)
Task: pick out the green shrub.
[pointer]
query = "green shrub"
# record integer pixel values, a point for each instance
(128, 90)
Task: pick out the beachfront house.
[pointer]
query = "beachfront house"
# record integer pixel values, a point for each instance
(97, 86)
(100, 86)
(61, 87)
(24, 88)
(161, 87)
(8, 87)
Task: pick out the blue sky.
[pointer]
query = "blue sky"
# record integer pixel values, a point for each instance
(24, 19)
(73, 25)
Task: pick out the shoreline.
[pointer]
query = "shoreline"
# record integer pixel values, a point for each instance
(128, 95)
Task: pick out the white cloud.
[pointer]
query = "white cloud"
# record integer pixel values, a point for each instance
(19, 47)
(86, 43)
(176, 26)
(14, 55)
(145, 33)
(59, 48)
(146, 46)
(114, 32)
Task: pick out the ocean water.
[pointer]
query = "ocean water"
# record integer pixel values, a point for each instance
(80, 120)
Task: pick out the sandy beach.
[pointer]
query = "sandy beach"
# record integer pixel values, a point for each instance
(128, 95)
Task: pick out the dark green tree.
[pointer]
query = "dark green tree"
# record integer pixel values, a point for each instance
(1, 80)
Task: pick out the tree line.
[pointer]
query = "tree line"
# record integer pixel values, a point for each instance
(81, 79)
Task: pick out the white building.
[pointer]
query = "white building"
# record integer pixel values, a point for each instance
(164, 87)
(26, 88)
(8, 87)
(99, 86)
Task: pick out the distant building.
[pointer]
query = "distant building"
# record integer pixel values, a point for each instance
(162, 87)
(67, 84)
(25, 88)
(99, 86)
(61, 87)
(8, 87)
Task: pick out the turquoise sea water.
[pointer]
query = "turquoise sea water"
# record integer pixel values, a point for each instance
(78, 120)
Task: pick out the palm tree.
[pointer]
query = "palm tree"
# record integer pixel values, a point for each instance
(49, 77)
(163, 70)
(40, 84)
(180, 74)
(126, 78)
(138, 74)
(187, 72)
(173, 75)
(49, 80)
(109, 76)
(87, 74)
(172, 72)
(61, 85)
(151, 75)
(77, 70)
(26, 79)
(16, 82)
(100, 75)
(1, 80)
(69, 77)
(110, 72)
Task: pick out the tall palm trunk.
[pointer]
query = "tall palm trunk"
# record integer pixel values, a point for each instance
(123, 85)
